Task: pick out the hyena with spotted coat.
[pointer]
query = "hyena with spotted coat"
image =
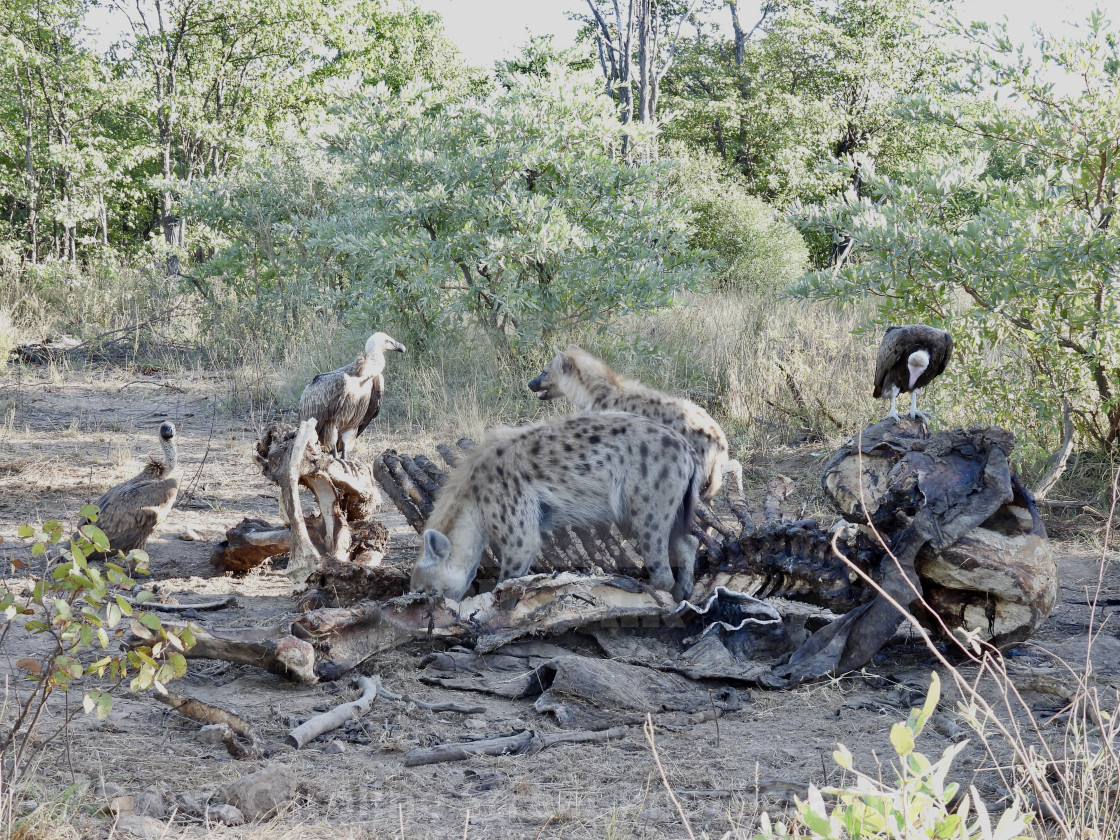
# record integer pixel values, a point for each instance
(580, 470)
(590, 385)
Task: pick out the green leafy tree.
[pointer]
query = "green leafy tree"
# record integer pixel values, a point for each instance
(810, 89)
(513, 208)
(1013, 246)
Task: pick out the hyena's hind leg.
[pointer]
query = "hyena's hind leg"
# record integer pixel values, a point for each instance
(682, 558)
(649, 532)
(733, 469)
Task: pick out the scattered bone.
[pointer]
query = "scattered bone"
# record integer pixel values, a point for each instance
(336, 717)
(189, 535)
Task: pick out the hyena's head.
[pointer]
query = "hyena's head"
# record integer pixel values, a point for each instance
(548, 386)
(434, 573)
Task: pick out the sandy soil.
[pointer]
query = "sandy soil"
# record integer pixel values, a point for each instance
(63, 443)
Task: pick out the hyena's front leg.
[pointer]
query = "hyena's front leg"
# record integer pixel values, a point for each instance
(518, 546)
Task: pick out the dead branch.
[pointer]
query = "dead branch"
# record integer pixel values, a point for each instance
(336, 717)
(217, 604)
(1058, 461)
(526, 742)
(303, 559)
(154, 384)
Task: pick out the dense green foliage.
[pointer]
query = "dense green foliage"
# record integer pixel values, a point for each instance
(1011, 247)
(511, 207)
(816, 87)
(274, 167)
(751, 243)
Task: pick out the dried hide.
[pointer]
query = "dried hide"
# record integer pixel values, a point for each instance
(583, 692)
(951, 512)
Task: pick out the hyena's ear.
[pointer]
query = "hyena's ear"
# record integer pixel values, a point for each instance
(565, 361)
(436, 545)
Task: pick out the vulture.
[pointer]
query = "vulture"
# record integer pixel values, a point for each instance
(131, 510)
(910, 357)
(344, 401)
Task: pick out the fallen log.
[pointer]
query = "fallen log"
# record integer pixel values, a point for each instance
(336, 717)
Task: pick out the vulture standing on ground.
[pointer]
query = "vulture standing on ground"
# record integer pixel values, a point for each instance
(344, 401)
(910, 357)
(131, 510)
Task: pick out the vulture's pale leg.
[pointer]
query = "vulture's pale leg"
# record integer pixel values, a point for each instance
(893, 415)
(734, 469)
(345, 442)
(330, 441)
(914, 413)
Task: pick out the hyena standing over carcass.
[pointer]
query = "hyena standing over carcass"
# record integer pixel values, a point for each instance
(590, 385)
(581, 470)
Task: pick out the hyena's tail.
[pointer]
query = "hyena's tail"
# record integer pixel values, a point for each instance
(686, 511)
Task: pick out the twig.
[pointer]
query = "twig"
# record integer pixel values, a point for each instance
(526, 742)
(155, 384)
(336, 717)
(189, 491)
(647, 728)
(431, 707)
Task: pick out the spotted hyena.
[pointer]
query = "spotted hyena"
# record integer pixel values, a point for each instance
(590, 385)
(579, 470)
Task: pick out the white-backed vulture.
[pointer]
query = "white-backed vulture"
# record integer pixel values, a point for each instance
(910, 357)
(130, 511)
(344, 401)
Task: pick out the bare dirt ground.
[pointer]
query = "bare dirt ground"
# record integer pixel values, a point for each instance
(65, 442)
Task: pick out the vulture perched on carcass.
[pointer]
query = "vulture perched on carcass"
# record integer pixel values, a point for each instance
(344, 401)
(130, 511)
(910, 357)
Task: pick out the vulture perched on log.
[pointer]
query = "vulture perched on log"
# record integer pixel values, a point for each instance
(344, 401)
(131, 510)
(910, 357)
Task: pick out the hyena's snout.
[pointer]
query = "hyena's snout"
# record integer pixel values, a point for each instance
(543, 387)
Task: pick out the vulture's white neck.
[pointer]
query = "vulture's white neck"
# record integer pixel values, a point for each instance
(170, 455)
(371, 362)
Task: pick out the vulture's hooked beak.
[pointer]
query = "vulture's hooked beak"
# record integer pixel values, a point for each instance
(167, 431)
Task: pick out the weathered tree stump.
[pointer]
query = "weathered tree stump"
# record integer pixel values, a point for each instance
(342, 531)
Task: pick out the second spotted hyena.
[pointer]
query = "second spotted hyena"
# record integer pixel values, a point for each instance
(590, 385)
(579, 470)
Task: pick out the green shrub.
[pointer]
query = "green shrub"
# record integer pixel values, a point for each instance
(917, 805)
(74, 605)
(753, 246)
